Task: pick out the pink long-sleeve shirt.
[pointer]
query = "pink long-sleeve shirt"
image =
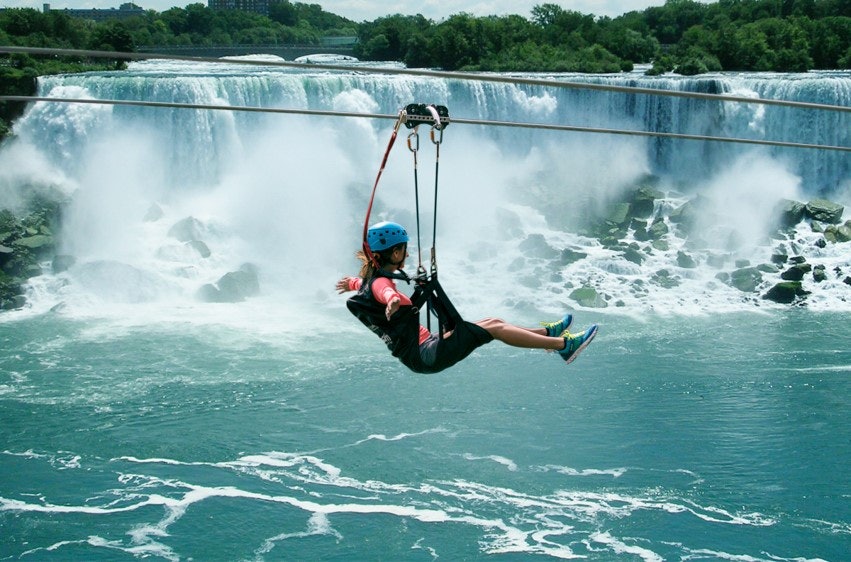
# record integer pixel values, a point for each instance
(383, 290)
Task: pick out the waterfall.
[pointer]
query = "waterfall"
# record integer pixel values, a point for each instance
(287, 193)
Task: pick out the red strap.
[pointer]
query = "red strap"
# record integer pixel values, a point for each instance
(366, 249)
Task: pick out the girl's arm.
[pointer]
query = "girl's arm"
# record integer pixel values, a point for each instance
(349, 284)
(384, 291)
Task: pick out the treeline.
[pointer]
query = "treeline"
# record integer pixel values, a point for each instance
(193, 25)
(684, 36)
(196, 24)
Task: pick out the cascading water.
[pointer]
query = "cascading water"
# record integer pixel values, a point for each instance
(274, 190)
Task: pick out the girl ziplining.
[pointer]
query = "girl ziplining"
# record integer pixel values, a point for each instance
(394, 316)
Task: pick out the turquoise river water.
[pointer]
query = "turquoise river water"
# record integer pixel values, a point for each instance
(681, 438)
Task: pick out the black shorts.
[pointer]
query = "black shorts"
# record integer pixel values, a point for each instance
(441, 353)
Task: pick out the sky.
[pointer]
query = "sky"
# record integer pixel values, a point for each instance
(368, 10)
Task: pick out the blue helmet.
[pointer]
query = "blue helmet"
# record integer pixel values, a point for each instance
(385, 235)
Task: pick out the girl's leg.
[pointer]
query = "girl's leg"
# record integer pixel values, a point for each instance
(534, 338)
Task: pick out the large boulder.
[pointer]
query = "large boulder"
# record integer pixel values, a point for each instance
(785, 292)
(796, 272)
(62, 263)
(234, 286)
(536, 246)
(789, 212)
(187, 230)
(746, 279)
(685, 261)
(619, 215)
(588, 297)
(823, 210)
(658, 229)
(569, 256)
(838, 233)
(644, 201)
(664, 279)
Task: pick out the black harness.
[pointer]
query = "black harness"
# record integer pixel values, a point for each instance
(401, 332)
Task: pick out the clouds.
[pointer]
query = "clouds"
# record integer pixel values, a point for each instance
(368, 10)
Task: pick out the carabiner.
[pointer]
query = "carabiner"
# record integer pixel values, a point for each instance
(439, 140)
(415, 135)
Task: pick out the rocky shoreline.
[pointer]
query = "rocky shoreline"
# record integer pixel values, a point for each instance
(636, 227)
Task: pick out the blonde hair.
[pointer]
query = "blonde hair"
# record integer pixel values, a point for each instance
(367, 268)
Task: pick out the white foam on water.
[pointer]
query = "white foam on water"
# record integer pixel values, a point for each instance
(509, 520)
(506, 462)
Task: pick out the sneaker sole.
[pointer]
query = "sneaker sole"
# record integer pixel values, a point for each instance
(572, 358)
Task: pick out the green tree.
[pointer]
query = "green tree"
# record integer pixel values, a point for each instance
(111, 36)
(283, 12)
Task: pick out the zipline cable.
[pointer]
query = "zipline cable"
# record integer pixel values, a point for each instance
(464, 76)
(463, 121)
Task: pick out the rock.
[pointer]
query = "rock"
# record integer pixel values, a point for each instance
(200, 247)
(588, 297)
(638, 224)
(768, 268)
(716, 260)
(13, 302)
(819, 274)
(644, 201)
(187, 230)
(569, 256)
(154, 213)
(234, 286)
(796, 272)
(658, 229)
(37, 241)
(664, 279)
(509, 224)
(633, 255)
(838, 233)
(5, 249)
(785, 292)
(62, 263)
(779, 258)
(619, 214)
(824, 211)
(789, 212)
(642, 234)
(685, 261)
(746, 279)
(687, 215)
(536, 246)
(742, 263)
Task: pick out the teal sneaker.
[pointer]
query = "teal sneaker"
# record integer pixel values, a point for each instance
(555, 329)
(575, 343)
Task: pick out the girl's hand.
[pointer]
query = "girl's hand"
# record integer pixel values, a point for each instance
(343, 285)
(392, 307)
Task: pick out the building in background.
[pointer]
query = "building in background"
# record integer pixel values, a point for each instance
(127, 10)
(256, 6)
